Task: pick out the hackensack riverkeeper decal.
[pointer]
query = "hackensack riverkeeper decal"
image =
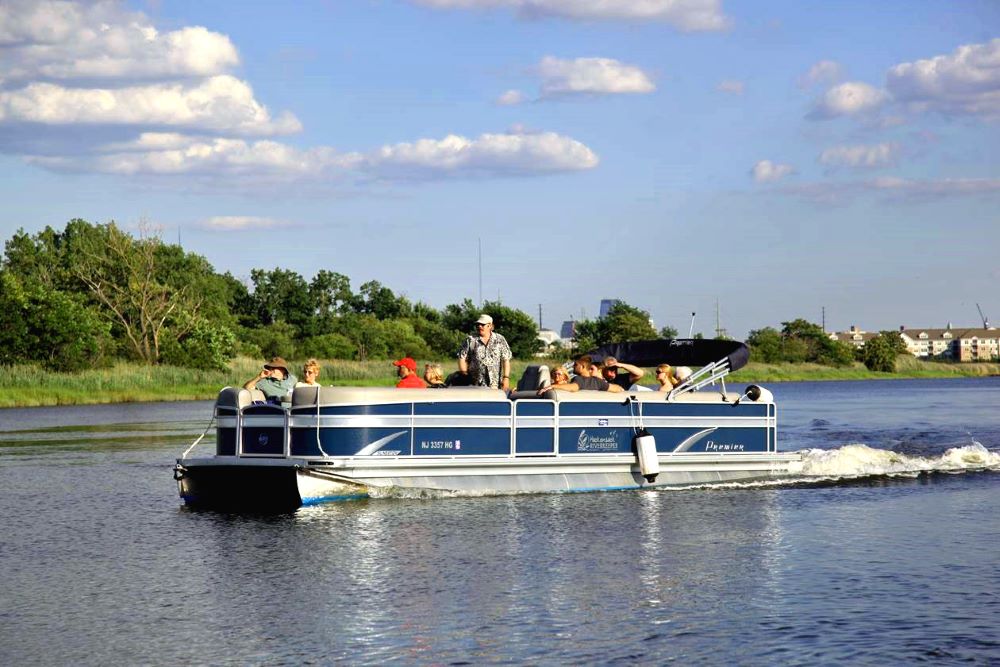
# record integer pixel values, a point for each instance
(597, 443)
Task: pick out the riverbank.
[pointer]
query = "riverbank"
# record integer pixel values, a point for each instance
(28, 386)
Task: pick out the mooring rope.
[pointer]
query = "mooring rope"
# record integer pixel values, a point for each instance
(198, 439)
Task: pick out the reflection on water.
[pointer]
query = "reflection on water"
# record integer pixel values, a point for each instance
(102, 565)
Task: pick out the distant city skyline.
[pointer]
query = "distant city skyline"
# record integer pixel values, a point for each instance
(776, 157)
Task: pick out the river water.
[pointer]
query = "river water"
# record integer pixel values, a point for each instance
(884, 551)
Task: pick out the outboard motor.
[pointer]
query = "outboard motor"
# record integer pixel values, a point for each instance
(645, 447)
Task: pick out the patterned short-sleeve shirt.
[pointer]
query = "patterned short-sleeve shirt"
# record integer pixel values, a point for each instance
(485, 360)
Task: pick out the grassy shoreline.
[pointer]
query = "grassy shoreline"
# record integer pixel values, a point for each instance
(30, 386)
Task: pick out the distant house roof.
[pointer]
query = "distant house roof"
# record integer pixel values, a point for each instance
(854, 337)
(949, 334)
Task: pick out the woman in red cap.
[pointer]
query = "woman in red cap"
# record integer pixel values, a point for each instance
(406, 368)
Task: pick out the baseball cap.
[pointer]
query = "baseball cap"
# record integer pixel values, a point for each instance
(406, 361)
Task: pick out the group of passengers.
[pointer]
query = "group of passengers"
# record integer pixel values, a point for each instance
(483, 361)
(610, 375)
(275, 382)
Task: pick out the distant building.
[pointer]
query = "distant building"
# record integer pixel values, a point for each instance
(568, 329)
(855, 336)
(607, 305)
(550, 338)
(972, 344)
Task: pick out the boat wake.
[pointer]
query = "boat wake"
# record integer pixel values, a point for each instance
(858, 460)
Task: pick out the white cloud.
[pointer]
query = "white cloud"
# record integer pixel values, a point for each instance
(893, 189)
(731, 86)
(269, 161)
(849, 99)
(967, 81)
(591, 76)
(935, 188)
(878, 155)
(68, 40)
(232, 223)
(686, 15)
(824, 72)
(766, 171)
(511, 98)
(221, 103)
(489, 153)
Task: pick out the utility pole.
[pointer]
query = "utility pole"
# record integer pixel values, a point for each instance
(691, 328)
(539, 317)
(719, 331)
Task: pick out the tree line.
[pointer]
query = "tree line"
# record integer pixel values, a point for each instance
(91, 294)
(801, 341)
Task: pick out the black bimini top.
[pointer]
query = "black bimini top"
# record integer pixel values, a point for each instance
(691, 352)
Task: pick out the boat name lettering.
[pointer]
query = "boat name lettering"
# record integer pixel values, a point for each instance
(713, 446)
(392, 452)
(597, 443)
(440, 444)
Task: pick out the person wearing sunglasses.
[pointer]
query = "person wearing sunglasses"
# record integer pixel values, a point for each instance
(485, 357)
(310, 374)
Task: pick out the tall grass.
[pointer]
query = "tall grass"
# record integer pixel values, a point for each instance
(30, 385)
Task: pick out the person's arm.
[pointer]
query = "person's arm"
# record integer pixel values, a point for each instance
(565, 386)
(505, 381)
(251, 384)
(463, 357)
(634, 372)
(614, 388)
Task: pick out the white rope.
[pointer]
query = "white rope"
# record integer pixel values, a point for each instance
(198, 439)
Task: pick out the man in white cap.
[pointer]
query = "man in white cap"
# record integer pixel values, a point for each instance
(485, 357)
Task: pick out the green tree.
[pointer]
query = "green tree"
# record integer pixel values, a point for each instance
(123, 278)
(622, 324)
(329, 346)
(330, 293)
(669, 332)
(206, 345)
(765, 345)
(53, 328)
(376, 299)
(802, 338)
(878, 354)
(281, 296)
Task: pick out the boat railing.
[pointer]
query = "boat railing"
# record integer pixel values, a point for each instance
(704, 376)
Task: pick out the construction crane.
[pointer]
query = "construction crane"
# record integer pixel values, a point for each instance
(986, 321)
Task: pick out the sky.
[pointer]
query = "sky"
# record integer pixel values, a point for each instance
(776, 159)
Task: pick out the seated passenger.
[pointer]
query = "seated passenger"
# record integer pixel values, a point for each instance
(406, 368)
(612, 371)
(274, 380)
(310, 374)
(558, 375)
(434, 376)
(682, 373)
(665, 376)
(584, 381)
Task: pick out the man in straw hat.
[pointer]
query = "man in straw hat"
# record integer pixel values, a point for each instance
(274, 380)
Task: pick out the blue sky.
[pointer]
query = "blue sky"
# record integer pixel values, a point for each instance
(776, 157)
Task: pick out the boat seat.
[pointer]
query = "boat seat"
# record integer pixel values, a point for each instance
(238, 397)
(303, 397)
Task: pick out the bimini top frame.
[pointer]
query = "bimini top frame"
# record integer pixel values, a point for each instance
(714, 359)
